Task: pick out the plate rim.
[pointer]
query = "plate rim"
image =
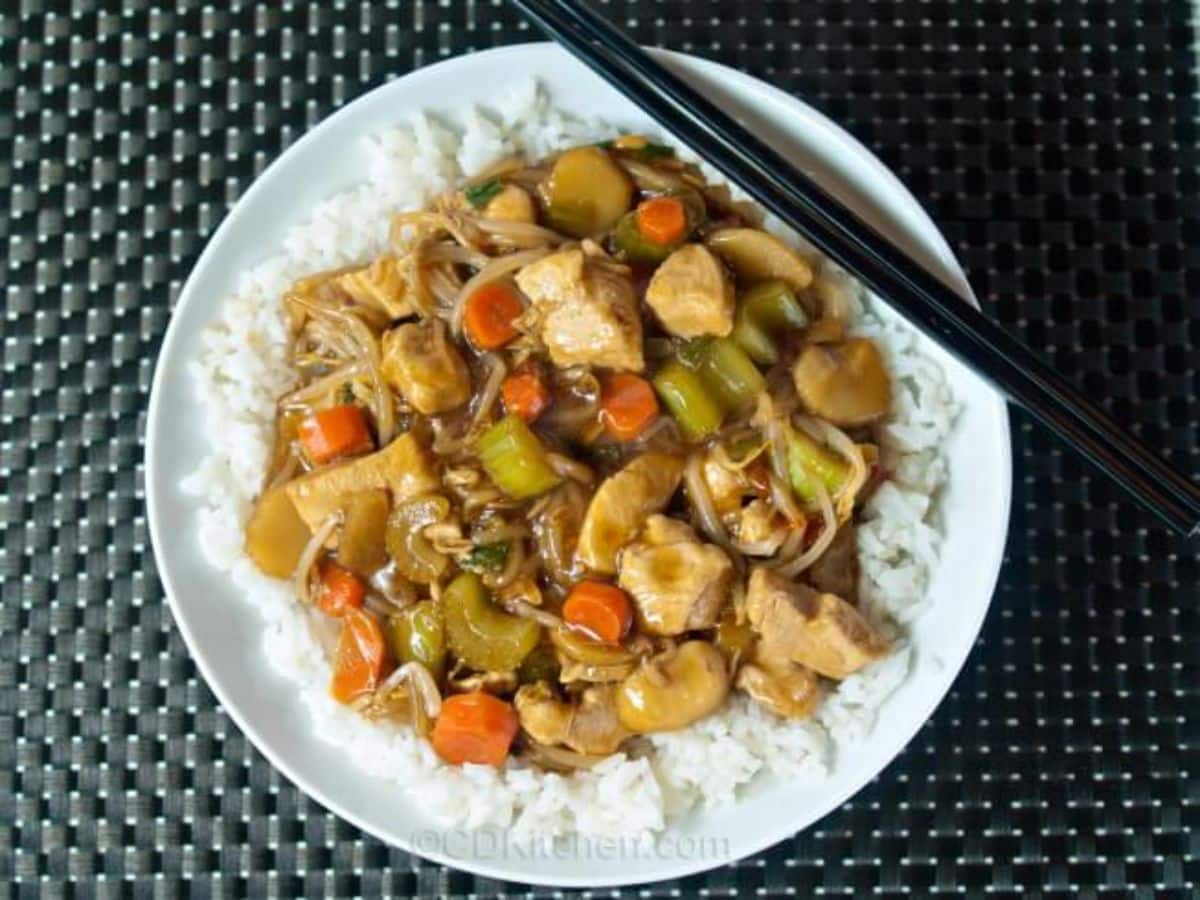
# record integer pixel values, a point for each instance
(668, 868)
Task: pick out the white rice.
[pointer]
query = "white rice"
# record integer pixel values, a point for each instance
(241, 370)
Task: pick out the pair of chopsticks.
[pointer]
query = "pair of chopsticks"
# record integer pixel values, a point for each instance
(938, 311)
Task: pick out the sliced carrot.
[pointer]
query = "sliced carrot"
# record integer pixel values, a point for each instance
(334, 432)
(525, 394)
(662, 220)
(489, 315)
(474, 728)
(360, 658)
(601, 609)
(627, 405)
(341, 590)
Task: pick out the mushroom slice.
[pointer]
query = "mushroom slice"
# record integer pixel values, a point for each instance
(845, 383)
(674, 689)
(756, 255)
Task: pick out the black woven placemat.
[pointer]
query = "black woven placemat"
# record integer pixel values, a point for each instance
(1055, 143)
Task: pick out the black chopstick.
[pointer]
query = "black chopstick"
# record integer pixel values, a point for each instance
(938, 311)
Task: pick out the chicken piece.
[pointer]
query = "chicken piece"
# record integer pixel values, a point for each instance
(836, 572)
(512, 204)
(589, 725)
(692, 294)
(821, 631)
(725, 486)
(787, 688)
(403, 467)
(587, 311)
(758, 528)
(677, 582)
(622, 503)
(425, 367)
(380, 285)
(545, 717)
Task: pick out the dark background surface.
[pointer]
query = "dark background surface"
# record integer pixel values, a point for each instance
(1056, 145)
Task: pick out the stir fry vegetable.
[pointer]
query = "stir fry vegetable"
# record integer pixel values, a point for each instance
(330, 434)
(275, 534)
(767, 309)
(689, 400)
(361, 656)
(411, 551)
(362, 545)
(627, 405)
(480, 193)
(486, 557)
(757, 255)
(684, 684)
(808, 460)
(725, 370)
(567, 462)
(474, 728)
(480, 634)
(600, 609)
(587, 192)
(341, 590)
(515, 459)
(418, 635)
(490, 312)
(526, 395)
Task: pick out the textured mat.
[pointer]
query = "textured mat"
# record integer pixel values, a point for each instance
(1056, 144)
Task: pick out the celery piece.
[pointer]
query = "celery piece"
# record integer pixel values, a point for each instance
(635, 245)
(773, 305)
(481, 634)
(750, 336)
(726, 370)
(689, 400)
(807, 459)
(418, 635)
(515, 459)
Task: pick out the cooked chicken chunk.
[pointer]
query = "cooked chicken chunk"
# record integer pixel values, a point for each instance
(787, 688)
(586, 309)
(677, 582)
(420, 361)
(545, 717)
(621, 504)
(589, 725)
(692, 294)
(381, 285)
(836, 572)
(403, 467)
(725, 486)
(821, 631)
(758, 528)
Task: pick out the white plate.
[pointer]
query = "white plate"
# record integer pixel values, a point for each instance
(225, 640)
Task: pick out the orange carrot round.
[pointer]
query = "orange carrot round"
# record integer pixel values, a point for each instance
(525, 394)
(360, 658)
(338, 431)
(341, 590)
(602, 610)
(474, 728)
(489, 315)
(662, 220)
(627, 405)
